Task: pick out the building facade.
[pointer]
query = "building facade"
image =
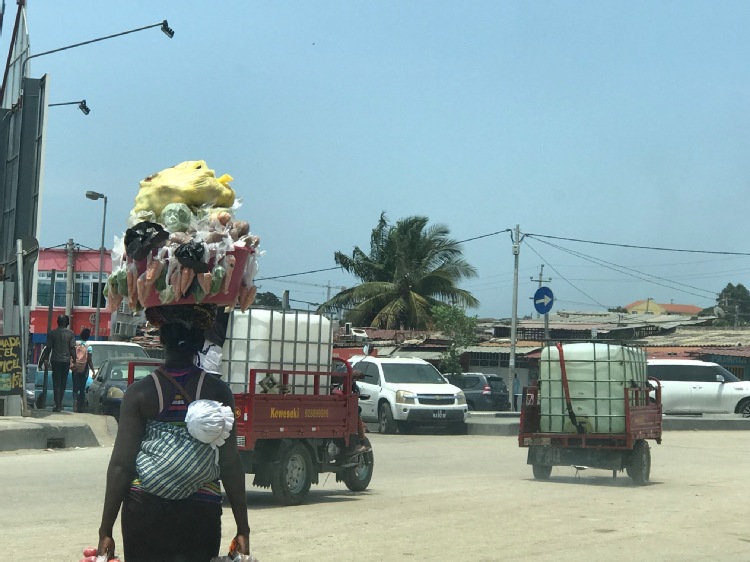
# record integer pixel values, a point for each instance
(78, 293)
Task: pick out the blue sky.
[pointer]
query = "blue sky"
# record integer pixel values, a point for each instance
(608, 121)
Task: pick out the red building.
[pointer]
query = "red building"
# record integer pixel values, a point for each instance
(85, 291)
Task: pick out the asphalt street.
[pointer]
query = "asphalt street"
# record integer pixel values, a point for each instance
(433, 497)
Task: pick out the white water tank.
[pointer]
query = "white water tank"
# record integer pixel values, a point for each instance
(597, 374)
(275, 339)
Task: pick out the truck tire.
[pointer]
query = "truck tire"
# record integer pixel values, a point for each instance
(292, 474)
(386, 424)
(639, 468)
(541, 471)
(357, 478)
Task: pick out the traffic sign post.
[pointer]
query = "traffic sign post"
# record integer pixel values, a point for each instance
(543, 301)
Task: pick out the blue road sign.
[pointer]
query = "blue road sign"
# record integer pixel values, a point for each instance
(543, 300)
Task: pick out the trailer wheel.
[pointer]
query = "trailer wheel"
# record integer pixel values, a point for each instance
(357, 478)
(639, 468)
(386, 424)
(292, 474)
(541, 471)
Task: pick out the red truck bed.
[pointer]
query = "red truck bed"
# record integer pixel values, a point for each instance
(312, 413)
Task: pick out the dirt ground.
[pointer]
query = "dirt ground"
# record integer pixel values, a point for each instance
(433, 497)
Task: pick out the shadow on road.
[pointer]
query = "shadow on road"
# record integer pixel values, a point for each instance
(594, 480)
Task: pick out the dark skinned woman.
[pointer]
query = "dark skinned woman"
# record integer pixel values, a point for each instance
(162, 518)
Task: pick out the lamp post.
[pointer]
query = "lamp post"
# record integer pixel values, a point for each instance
(81, 105)
(163, 25)
(93, 195)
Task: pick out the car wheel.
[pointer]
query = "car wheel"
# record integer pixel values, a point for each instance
(744, 408)
(357, 478)
(541, 471)
(292, 474)
(385, 419)
(639, 468)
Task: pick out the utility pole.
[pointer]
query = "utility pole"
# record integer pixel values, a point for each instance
(546, 316)
(69, 282)
(513, 321)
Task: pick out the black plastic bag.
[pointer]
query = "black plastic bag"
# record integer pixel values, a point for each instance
(191, 255)
(143, 238)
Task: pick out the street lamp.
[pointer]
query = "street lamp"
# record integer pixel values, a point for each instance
(81, 105)
(93, 195)
(163, 25)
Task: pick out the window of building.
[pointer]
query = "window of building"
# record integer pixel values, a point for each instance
(483, 359)
(43, 289)
(85, 289)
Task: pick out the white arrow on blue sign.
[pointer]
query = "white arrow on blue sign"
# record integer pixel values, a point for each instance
(543, 300)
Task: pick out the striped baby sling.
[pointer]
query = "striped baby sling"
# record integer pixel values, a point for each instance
(172, 464)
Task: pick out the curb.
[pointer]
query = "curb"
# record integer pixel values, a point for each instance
(32, 434)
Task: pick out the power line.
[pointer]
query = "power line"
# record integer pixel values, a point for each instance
(656, 248)
(625, 270)
(592, 299)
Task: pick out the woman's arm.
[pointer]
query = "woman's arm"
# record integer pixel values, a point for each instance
(233, 476)
(132, 425)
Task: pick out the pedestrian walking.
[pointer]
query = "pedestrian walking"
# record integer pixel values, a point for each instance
(81, 365)
(164, 473)
(516, 392)
(61, 347)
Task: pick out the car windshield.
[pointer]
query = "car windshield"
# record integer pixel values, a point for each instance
(412, 373)
(119, 371)
(101, 353)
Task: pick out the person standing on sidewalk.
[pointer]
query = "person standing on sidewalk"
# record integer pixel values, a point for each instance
(81, 365)
(62, 344)
(516, 392)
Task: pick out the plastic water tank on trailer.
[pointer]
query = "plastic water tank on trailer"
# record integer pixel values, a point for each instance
(294, 340)
(597, 374)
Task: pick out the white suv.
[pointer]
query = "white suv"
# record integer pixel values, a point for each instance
(691, 387)
(401, 391)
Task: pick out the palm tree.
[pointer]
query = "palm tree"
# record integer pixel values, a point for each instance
(411, 268)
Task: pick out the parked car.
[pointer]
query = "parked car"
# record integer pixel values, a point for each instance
(104, 395)
(699, 387)
(30, 385)
(483, 391)
(403, 391)
(50, 397)
(103, 350)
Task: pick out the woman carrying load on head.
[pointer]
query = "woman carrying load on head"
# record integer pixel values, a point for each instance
(170, 512)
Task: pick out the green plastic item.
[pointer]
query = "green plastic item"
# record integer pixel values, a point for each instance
(161, 282)
(122, 282)
(166, 295)
(176, 217)
(218, 276)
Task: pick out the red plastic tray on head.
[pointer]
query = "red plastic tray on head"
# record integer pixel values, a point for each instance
(241, 256)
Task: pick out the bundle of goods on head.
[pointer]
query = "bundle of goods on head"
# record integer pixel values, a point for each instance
(184, 244)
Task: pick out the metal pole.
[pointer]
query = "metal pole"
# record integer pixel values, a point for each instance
(69, 283)
(41, 401)
(101, 267)
(513, 321)
(24, 332)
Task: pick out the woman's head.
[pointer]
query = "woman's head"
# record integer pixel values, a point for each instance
(85, 334)
(178, 337)
(182, 327)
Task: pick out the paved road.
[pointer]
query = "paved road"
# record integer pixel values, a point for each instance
(433, 497)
